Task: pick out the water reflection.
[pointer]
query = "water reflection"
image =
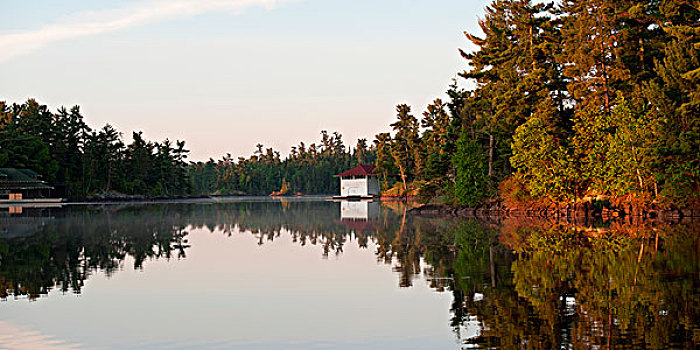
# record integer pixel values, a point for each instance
(569, 287)
(359, 210)
(514, 284)
(40, 252)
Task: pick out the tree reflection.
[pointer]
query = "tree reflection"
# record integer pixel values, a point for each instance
(568, 287)
(515, 284)
(64, 252)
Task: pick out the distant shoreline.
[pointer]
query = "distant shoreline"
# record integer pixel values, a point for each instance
(195, 199)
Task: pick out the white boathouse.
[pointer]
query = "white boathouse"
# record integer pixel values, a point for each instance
(361, 181)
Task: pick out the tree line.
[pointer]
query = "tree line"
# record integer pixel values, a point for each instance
(307, 169)
(573, 99)
(82, 162)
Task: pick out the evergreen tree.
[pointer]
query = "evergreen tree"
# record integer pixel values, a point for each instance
(405, 147)
(385, 161)
(675, 96)
(589, 53)
(436, 122)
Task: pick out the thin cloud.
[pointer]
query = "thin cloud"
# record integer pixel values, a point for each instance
(94, 23)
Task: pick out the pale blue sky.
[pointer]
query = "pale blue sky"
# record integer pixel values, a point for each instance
(226, 74)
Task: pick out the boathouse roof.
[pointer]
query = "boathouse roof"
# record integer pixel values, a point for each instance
(360, 170)
(11, 178)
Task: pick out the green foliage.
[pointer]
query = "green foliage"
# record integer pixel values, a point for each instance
(675, 97)
(514, 71)
(308, 169)
(591, 58)
(632, 163)
(589, 97)
(81, 162)
(569, 99)
(513, 190)
(405, 146)
(617, 152)
(472, 183)
(543, 161)
(435, 138)
(20, 150)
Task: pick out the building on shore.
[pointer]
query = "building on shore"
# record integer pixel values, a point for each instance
(22, 185)
(359, 182)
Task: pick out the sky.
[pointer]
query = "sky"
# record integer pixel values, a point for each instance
(224, 75)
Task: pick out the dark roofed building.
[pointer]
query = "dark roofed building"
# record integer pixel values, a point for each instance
(19, 184)
(31, 173)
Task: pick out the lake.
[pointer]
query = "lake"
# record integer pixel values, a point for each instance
(308, 273)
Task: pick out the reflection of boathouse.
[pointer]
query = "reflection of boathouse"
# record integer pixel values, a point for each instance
(359, 216)
(361, 181)
(21, 185)
(359, 211)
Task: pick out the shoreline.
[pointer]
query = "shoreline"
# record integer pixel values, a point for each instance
(570, 212)
(192, 199)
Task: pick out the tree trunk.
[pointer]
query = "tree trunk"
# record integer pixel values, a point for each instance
(109, 175)
(402, 173)
(403, 179)
(604, 70)
(493, 267)
(491, 141)
(639, 176)
(641, 54)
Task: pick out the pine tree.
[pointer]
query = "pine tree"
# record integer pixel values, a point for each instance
(675, 96)
(591, 52)
(385, 162)
(436, 136)
(405, 148)
(515, 69)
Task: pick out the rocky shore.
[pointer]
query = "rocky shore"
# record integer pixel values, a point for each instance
(572, 212)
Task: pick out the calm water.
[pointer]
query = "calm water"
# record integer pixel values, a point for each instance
(314, 274)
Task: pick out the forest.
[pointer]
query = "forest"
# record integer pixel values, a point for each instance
(80, 162)
(567, 101)
(84, 163)
(571, 100)
(307, 169)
